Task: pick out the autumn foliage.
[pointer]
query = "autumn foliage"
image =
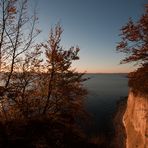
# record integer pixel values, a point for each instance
(39, 86)
(38, 78)
(134, 40)
(134, 43)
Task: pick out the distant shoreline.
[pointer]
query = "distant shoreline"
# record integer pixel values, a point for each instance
(86, 73)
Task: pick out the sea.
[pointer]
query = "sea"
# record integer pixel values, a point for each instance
(104, 91)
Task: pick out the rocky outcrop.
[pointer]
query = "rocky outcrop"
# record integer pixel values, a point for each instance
(135, 121)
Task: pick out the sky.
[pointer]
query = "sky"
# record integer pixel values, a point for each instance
(93, 25)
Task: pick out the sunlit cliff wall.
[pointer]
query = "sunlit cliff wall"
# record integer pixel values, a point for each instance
(135, 120)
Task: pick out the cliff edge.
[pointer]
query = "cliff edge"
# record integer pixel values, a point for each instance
(135, 120)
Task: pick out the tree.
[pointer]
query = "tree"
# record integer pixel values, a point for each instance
(65, 92)
(46, 95)
(134, 40)
(46, 101)
(17, 33)
(56, 92)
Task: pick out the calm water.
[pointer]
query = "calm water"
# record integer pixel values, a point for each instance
(104, 91)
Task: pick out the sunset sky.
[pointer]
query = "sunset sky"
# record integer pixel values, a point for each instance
(94, 26)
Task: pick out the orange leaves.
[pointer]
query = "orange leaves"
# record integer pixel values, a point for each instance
(64, 84)
(56, 56)
(131, 31)
(134, 42)
(134, 38)
(11, 10)
(121, 45)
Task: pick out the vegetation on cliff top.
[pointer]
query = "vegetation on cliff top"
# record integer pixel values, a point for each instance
(134, 43)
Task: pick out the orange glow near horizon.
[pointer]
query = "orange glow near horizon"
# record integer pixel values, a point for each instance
(100, 69)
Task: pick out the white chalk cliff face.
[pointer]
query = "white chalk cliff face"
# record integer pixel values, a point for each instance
(135, 121)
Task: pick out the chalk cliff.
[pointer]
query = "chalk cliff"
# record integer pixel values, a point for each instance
(135, 120)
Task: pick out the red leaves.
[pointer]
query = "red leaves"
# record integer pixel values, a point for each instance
(131, 31)
(121, 45)
(57, 57)
(134, 38)
(134, 42)
(11, 10)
